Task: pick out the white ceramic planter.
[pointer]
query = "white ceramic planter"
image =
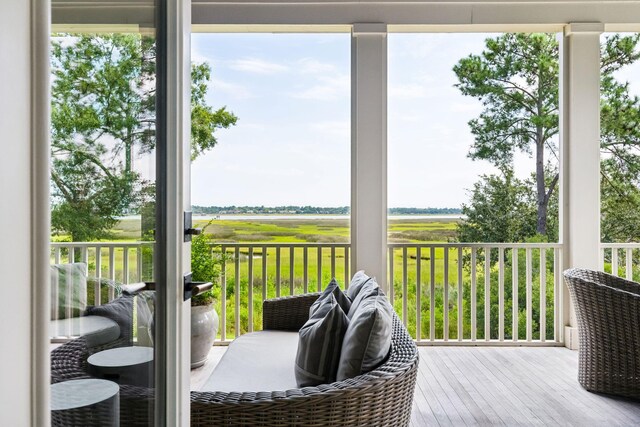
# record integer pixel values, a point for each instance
(204, 327)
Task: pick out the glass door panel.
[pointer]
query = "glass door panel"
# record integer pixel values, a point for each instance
(104, 136)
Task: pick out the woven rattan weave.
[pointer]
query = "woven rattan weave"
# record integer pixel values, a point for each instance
(608, 313)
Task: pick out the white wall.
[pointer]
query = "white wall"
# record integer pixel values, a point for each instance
(18, 355)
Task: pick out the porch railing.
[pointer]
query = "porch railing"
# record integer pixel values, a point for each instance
(621, 259)
(478, 294)
(446, 293)
(255, 272)
(124, 262)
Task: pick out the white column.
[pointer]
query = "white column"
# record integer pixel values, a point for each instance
(369, 150)
(580, 148)
(24, 216)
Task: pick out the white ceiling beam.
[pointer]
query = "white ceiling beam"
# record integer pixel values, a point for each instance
(401, 16)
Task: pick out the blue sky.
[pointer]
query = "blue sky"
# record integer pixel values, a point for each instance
(291, 145)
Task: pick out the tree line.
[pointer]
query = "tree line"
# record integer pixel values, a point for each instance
(308, 210)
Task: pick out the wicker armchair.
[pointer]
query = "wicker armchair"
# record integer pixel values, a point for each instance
(382, 397)
(608, 313)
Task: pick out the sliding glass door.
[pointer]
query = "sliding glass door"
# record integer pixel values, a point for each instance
(119, 134)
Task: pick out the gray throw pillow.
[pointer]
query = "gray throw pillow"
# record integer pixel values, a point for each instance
(68, 290)
(369, 289)
(332, 289)
(367, 341)
(357, 282)
(319, 345)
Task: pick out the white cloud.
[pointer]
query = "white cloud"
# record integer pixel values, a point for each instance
(313, 66)
(257, 66)
(234, 90)
(407, 91)
(332, 127)
(328, 88)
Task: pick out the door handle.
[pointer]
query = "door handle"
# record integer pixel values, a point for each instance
(192, 288)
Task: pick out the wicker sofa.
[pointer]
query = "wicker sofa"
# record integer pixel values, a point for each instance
(608, 313)
(382, 397)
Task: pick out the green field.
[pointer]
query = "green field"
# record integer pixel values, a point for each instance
(303, 230)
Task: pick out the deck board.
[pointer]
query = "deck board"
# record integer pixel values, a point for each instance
(460, 386)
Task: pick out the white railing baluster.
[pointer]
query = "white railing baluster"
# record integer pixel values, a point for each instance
(418, 295)
(405, 315)
(125, 265)
(557, 290)
(236, 292)
(460, 308)
(139, 264)
(278, 272)
(69, 296)
(515, 309)
(474, 296)
(501, 294)
(487, 293)
(445, 299)
(305, 269)
(112, 272)
(529, 307)
(291, 270)
(250, 290)
(543, 295)
(333, 262)
(56, 254)
(70, 255)
(223, 295)
(391, 274)
(628, 270)
(319, 272)
(347, 276)
(432, 294)
(97, 297)
(264, 273)
(614, 261)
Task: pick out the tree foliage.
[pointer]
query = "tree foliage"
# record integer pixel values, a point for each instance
(516, 78)
(103, 116)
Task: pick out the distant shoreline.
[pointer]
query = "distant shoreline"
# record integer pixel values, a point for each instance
(320, 217)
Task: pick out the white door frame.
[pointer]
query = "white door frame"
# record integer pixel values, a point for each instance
(173, 348)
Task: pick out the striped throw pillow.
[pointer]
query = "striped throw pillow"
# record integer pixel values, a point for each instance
(319, 345)
(332, 289)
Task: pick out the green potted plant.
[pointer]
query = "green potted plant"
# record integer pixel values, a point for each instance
(205, 267)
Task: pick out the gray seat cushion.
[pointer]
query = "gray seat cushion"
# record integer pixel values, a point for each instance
(97, 330)
(258, 361)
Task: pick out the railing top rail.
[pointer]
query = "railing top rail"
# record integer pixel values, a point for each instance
(280, 245)
(620, 245)
(100, 244)
(478, 245)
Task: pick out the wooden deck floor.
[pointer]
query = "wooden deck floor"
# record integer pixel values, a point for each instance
(460, 386)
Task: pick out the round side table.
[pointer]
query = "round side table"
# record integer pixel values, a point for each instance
(86, 402)
(124, 365)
